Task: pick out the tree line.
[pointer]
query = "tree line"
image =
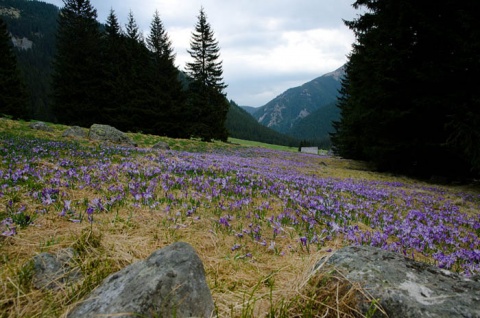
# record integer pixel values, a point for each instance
(112, 75)
(409, 101)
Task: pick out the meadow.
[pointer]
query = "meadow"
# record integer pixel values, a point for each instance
(259, 218)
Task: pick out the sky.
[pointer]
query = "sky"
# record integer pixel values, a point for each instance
(266, 46)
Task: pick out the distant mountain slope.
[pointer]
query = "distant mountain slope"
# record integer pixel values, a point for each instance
(287, 110)
(316, 127)
(249, 109)
(240, 124)
(33, 27)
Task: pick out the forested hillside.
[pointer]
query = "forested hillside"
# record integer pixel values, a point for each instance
(317, 127)
(243, 126)
(33, 26)
(305, 112)
(410, 100)
(35, 23)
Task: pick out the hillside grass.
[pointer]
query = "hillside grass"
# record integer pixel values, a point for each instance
(250, 143)
(228, 200)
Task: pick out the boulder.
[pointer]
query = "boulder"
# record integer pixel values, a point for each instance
(406, 288)
(39, 125)
(76, 132)
(169, 283)
(109, 134)
(161, 146)
(53, 271)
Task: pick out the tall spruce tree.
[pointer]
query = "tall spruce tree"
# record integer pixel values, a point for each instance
(168, 100)
(77, 67)
(12, 90)
(115, 81)
(138, 115)
(207, 105)
(408, 87)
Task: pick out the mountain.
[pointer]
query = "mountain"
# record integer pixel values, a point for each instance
(240, 124)
(316, 127)
(288, 112)
(32, 25)
(249, 109)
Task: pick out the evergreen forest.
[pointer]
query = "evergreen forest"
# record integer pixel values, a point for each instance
(116, 77)
(409, 101)
(36, 21)
(135, 88)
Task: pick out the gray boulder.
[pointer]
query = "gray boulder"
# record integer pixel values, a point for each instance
(406, 288)
(53, 271)
(161, 146)
(109, 134)
(169, 283)
(76, 132)
(40, 126)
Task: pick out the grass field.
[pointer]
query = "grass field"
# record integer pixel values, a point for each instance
(250, 143)
(259, 219)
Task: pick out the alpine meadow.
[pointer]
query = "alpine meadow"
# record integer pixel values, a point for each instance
(398, 128)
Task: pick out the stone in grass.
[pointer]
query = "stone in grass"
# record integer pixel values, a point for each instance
(169, 283)
(109, 134)
(406, 288)
(38, 125)
(76, 132)
(53, 271)
(161, 146)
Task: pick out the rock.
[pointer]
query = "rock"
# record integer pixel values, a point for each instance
(161, 145)
(76, 132)
(169, 283)
(54, 271)
(311, 150)
(40, 126)
(109, 134)
(406, 288)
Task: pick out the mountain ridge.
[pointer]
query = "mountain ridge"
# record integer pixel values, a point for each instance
(305, 112)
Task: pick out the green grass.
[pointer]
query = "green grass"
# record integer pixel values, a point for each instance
(250, 143)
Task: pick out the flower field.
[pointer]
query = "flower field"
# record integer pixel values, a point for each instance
(257, 217)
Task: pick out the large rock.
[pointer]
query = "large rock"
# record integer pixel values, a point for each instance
(161, 146)
(169, 283)
(407, 288)
(109, 134)
(39, 125)
(76, 132)
(53, 271)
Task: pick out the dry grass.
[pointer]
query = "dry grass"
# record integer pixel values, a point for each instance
(264, 285)
(267, 284)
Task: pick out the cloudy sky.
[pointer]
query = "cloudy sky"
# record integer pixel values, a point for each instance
(266, 46)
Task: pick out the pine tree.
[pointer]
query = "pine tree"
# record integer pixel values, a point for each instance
(409, 85)
(139, 114)
(168, 97)
(158, 41)
(114, 62)
(132, 28)
(12, 91)
(207, 104)
(77, 67)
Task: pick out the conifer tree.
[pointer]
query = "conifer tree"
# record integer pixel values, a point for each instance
(138, 115)
(207, 104)
(132, 28)
(77, 67)
(12, 91)
(115, 83)
(168, 100)
(408, 100)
